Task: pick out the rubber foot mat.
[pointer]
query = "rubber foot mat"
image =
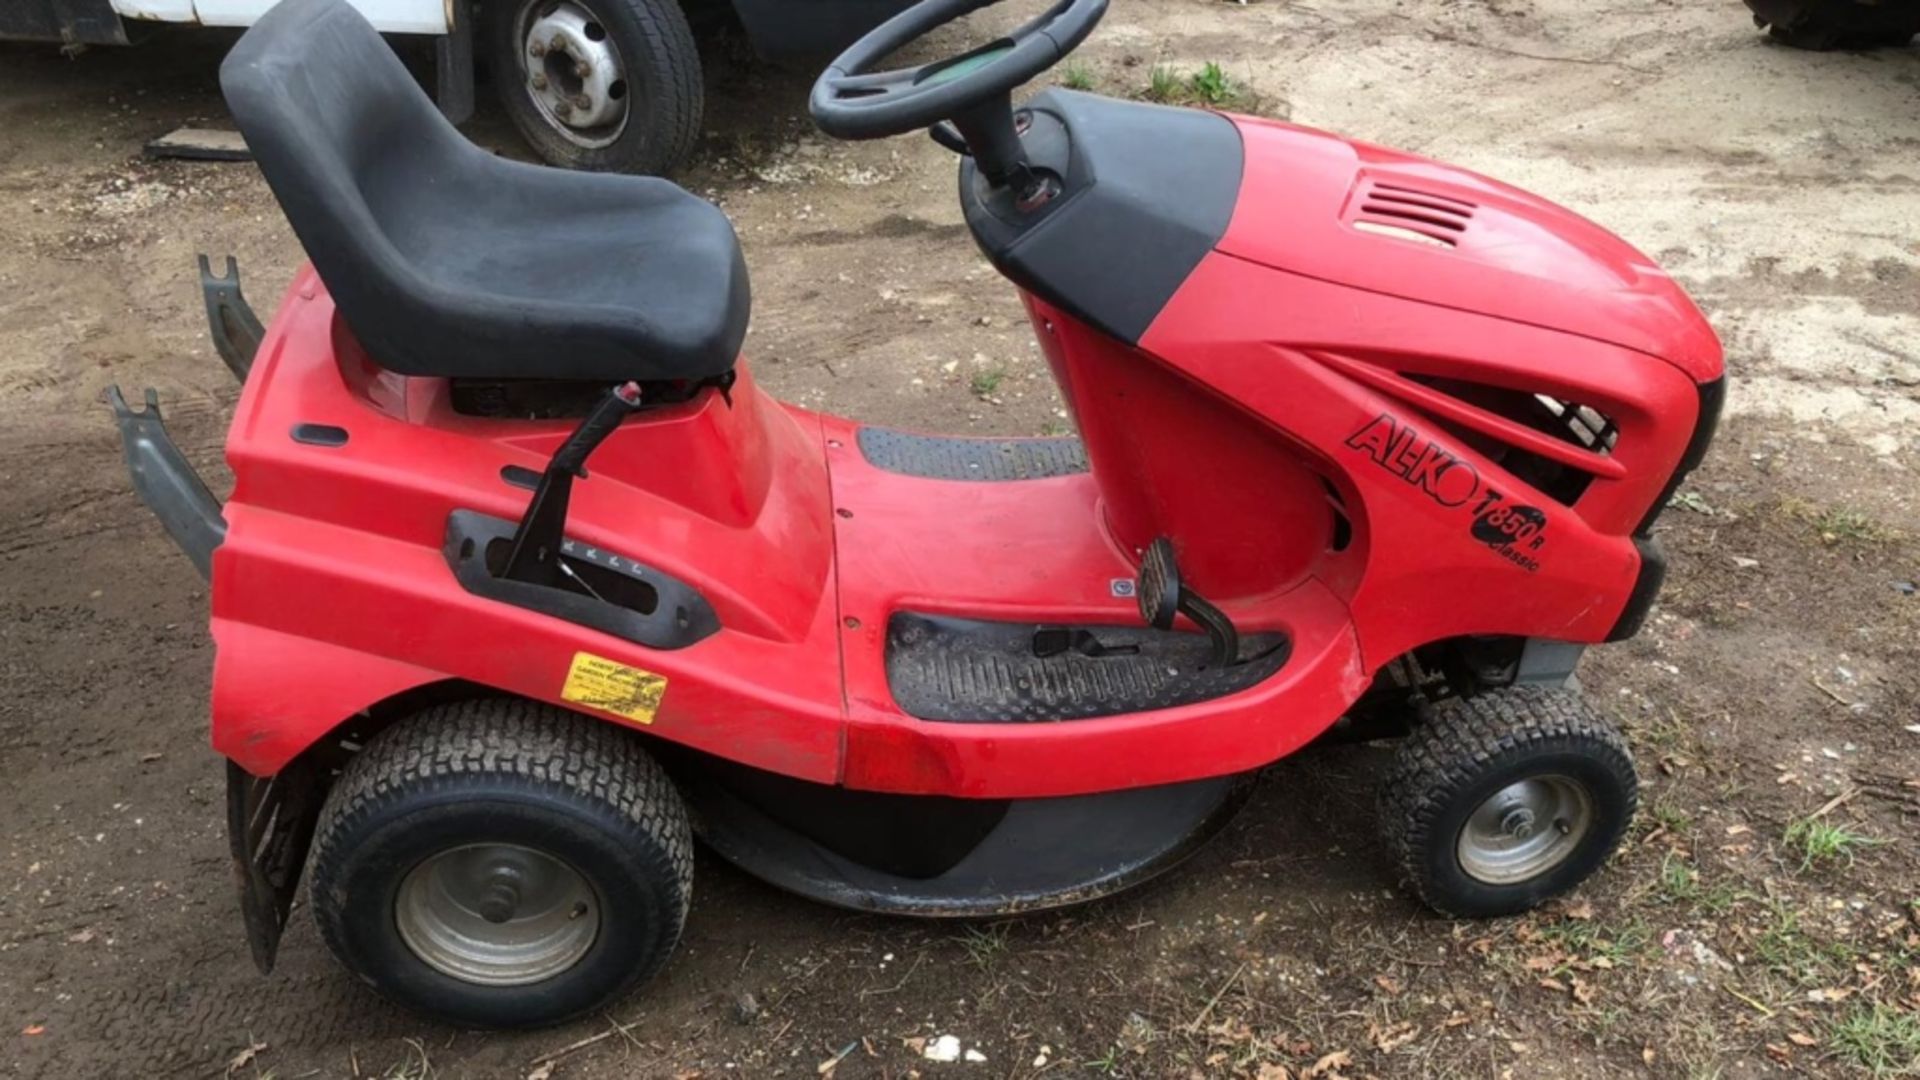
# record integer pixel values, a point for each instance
(971, 671)
(936, 457)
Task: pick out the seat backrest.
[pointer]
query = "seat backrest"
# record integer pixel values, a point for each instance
(332, 117)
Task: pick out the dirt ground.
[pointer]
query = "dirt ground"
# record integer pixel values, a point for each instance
(1764, 916)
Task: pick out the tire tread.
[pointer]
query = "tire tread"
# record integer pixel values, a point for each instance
(1465, 738)
(527, 743)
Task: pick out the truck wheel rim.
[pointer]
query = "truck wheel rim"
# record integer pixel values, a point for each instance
(1525, 829)
(497, 914)
(573, 72)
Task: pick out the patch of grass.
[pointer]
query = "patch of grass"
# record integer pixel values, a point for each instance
(1077, 77)
(1881, 1039)
(1665, 815)
(1790, 951)
(1164, 85)
(986, 382)
(1820, 841)
(1212, 86)
(1681, 884)
(1588, 940)
(985, 945)
(1839, 524)
(1849, 526)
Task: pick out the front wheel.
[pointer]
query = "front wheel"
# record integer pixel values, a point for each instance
(1507, 799)
(500, 863)
(607, 85)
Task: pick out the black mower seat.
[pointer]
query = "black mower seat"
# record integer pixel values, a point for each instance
(446, 260)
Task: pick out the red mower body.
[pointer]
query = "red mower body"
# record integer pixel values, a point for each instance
(1397, 405)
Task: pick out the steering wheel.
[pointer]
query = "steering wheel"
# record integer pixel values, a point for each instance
(973, 90)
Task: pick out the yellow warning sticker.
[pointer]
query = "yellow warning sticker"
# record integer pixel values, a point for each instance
(600, 683)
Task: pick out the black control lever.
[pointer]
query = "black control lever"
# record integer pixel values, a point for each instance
(535, 555)
(949, 136)
(1163, 595)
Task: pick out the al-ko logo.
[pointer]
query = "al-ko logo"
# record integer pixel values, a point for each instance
(1515, 533)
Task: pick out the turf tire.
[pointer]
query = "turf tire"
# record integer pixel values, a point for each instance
(1474, 747)
(503, 771)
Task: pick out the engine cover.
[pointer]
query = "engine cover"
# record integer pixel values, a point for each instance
(1370, 218)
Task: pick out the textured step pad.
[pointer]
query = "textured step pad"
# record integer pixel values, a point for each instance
(935, 457)
(972, 671)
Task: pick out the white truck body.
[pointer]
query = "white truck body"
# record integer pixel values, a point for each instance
(390, 16)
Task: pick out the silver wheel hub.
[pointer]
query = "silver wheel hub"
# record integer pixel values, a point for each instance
(1525, 829)
(574, 74)
(497, 914)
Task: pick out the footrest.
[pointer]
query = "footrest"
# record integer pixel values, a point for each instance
(973, 671)
(935, 457)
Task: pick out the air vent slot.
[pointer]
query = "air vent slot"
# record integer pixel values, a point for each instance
(1408, 213)
(1584, 425)
(1583, 428)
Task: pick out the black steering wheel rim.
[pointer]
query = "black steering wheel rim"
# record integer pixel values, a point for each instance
(852, 101)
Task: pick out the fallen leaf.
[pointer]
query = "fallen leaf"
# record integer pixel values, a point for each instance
(1801, 1038)
(1583, 991)
(1271, 1071)
(245, 1057)
(1389, 984)
(1554, 984)
(1780, 1053)
(1579, 909)
(1647, 1055)
(1330, 1065)
(1387, 1040)
(544, 1071)
(1455, 1020)
(34, 1029)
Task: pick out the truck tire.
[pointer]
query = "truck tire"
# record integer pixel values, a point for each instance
(1507, 799)
(502, 864)
(1832, 24)
(606, 85)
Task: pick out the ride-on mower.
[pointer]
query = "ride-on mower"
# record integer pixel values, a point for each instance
(524, 582)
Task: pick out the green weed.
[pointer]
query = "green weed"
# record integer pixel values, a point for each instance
(1211, 86)
(1820, 841)
(1881, 1039)
(986, 382)
(984, 944)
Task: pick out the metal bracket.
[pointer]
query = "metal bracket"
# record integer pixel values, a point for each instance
(167, 483)
(235, 329)
(1545, 662)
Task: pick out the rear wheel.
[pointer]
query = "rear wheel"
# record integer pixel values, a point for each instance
(608, 85)
(502, 864)
(1507, 799)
